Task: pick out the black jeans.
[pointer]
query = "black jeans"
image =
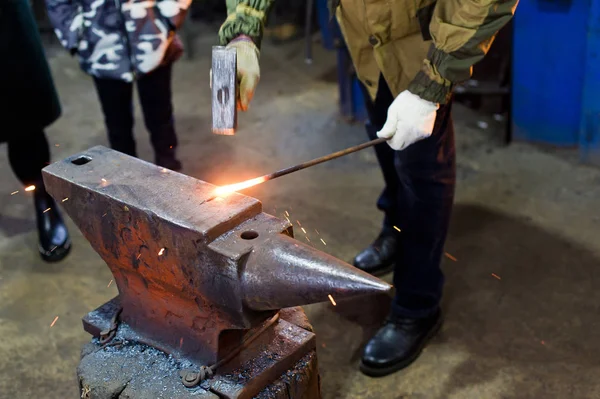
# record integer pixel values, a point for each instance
(28, 154)
(417, 198)
(154, 90)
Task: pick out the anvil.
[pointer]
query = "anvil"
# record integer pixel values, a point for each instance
(189, 265)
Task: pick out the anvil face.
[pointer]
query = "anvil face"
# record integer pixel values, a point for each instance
(189, 265)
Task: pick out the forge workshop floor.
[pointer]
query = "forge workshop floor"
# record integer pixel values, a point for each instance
(522, 298)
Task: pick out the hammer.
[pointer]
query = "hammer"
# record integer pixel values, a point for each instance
(224, 90)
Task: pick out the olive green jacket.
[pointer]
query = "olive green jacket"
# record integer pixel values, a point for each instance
(425, 46)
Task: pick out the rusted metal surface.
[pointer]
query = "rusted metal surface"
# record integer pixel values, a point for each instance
(224, 86)
(196, 273)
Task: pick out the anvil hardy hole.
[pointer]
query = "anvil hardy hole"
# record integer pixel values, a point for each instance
(82, 160)
(249, 235)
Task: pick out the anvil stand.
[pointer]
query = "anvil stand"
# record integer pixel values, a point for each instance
(128, 369)
(209, 287)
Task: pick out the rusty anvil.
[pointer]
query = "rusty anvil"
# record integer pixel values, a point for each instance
(190, 267)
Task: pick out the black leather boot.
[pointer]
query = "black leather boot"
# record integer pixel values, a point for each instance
(398, 343)
(379, 257)
(167, 159)
(55, 242)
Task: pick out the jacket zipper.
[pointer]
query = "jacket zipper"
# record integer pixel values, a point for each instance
(127, 42)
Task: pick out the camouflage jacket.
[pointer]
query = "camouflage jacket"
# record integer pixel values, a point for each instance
(119, 39)
(425, 46)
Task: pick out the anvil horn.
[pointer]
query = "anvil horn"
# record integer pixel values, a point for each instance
(282, 272)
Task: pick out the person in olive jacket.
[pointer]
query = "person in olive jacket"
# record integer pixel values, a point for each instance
(408, 55)
(28, 104)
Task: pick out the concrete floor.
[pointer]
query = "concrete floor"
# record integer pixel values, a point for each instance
(529, 217)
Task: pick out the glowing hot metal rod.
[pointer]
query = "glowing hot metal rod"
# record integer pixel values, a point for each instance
(225, 190)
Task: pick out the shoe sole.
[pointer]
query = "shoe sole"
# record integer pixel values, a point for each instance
(383, 271)
(377, 272)
(57, 255)
(383, 371)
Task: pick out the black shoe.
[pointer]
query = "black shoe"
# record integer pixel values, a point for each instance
(398, 343)
(379, 257)
(168, 161)
(55, 242)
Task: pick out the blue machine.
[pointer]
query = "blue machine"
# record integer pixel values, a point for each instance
(352, 106)
(556, 74)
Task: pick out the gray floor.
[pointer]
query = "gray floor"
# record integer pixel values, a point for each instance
(528, 217)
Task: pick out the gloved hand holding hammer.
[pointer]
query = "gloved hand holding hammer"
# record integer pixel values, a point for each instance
(248, 70)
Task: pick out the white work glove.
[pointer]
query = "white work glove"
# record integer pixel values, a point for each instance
(409, 119)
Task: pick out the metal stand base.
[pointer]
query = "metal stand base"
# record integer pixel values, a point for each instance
(282, 364)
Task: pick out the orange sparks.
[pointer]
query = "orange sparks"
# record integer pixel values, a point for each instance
(105, 214)
(496, 276)
(226, 190)
(139, 256)
(323, 241)
(54, 322)
(180, 342)
(450, 257)
(30, 188)
(307, 239)
(14, 192)
(287, 214)
(109, 284)
(57, 145)
(397, 228)
(297, 221)
(162, 251)
(302, 228)
(331, 299)
(46, 210)
(65, 199)
(316, 231)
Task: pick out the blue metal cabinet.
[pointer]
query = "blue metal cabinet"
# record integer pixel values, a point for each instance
(556, 74)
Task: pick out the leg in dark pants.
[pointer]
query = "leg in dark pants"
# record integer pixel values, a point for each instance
(28, 154)
(155, 94)
(116, 99)
(380, 257)
(418, 199)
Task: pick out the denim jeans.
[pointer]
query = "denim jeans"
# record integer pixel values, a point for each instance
(417, 199)
(154, 90)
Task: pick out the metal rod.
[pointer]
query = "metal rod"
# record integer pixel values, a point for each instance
(322, 159)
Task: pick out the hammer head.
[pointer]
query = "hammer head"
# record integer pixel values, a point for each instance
(224, 94)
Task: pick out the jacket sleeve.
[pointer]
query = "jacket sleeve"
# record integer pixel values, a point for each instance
(67, 20)
(174, 11)
(462, 32)
(245, 17)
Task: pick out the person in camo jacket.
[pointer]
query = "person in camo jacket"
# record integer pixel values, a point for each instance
(408, 56)
(121, 42)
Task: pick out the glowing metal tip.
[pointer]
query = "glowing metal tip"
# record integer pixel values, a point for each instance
(223, 191)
